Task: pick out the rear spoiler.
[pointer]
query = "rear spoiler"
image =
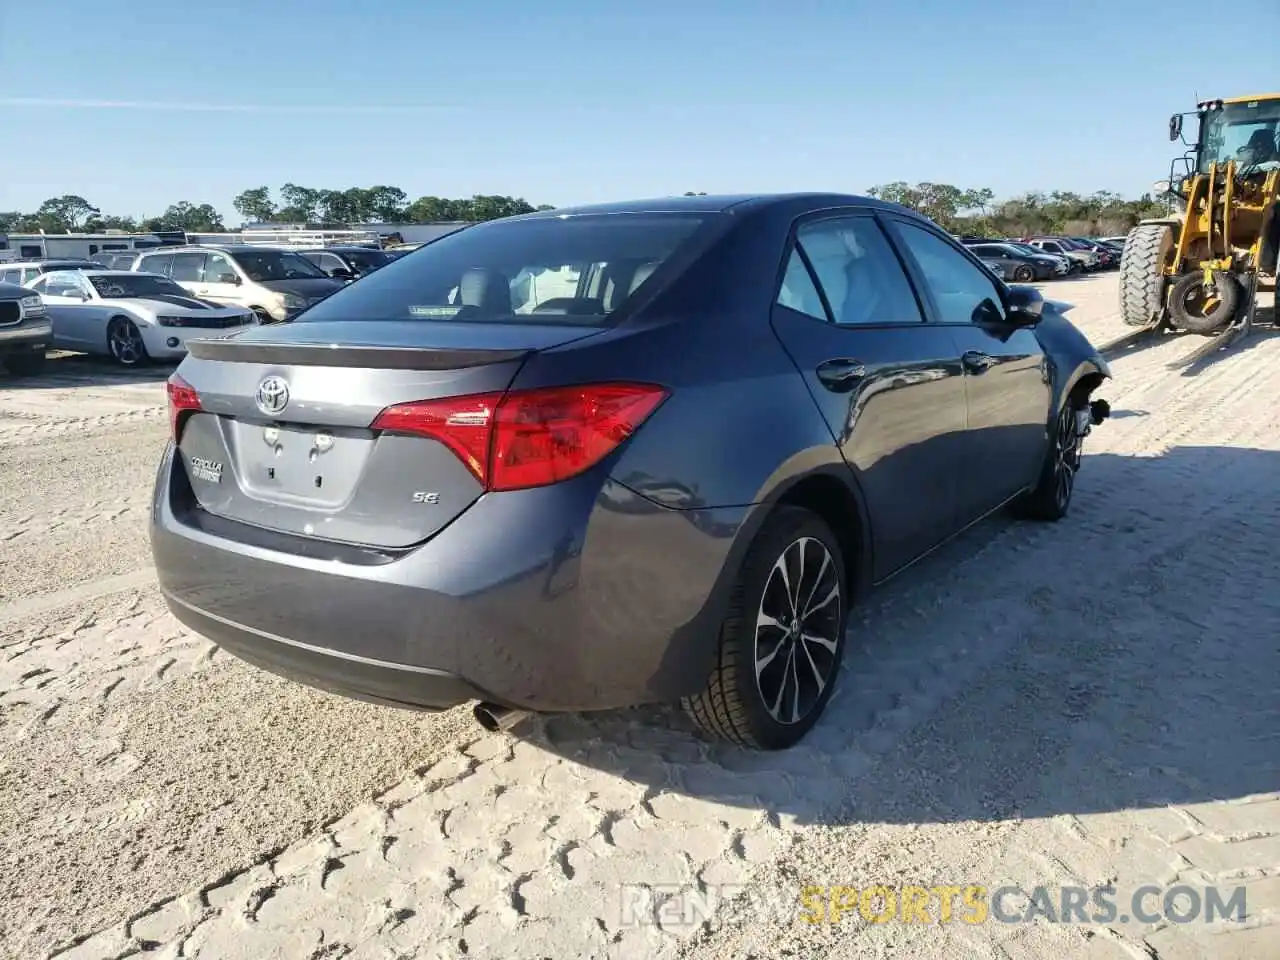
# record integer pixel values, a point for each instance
(234, 350)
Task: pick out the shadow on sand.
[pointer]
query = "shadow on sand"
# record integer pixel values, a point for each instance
(68, 370)
(1124, 657)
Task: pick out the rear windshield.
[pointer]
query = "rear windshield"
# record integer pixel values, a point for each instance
(136, 285)
(571, 270)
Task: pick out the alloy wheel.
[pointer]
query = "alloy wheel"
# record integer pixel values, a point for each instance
(1067, 445)
(125, 343)
(797, 630)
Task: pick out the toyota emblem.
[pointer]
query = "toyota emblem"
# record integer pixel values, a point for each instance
(272, 396)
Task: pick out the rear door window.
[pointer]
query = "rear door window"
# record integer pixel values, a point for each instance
(578, 269)
(858, 272)
(156, 263)
(188, 267)
(218, 269)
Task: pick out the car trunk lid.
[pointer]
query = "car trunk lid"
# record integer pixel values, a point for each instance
(284, 439)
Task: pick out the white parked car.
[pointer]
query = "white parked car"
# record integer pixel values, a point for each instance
(131, 317)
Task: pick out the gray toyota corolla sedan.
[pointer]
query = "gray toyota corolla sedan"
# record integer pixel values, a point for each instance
(613, 455)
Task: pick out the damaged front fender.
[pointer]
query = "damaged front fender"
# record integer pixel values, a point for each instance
(1078, 368)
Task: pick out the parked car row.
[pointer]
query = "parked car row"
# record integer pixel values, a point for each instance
(181, 291)
(140, 305)
(1070, 255)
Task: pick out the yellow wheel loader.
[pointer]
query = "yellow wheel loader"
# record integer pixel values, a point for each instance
(1197, 271)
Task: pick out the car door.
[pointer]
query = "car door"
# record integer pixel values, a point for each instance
(889, 385)
(188, 270)
(69, 312)
(221, 281)
(1006, 373)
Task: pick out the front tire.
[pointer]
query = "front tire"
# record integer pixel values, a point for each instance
(1024, 274)
(1193, 309)
(1050, 499)
(783, 637)
(27, 364)
(124, 343)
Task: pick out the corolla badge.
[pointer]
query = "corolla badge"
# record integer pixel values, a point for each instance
(272, 396)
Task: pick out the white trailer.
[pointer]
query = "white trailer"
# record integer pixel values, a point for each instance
(44, 246)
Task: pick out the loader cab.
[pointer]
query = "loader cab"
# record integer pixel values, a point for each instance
(1246, 130)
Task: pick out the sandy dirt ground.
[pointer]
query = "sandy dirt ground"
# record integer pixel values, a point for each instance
(1092, 702)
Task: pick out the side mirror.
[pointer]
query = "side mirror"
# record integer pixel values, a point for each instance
(1175, 126)
(1025, 305)
(341, 273)
(227, 278)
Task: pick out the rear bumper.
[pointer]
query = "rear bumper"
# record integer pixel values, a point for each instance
(391, 684)
(578, 596)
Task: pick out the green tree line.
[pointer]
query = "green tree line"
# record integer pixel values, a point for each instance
(295, 204)
(976, 211)
(959, 209)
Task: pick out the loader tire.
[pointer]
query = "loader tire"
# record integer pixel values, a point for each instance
(1142, 272)
(1190, 287)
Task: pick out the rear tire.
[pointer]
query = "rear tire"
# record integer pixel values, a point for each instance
(1190, 287)
(27, 364)
(1050, 499)
(1142, 272)
(774, 674)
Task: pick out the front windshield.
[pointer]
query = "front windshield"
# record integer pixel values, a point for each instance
(136, 285)
(1248, 133)
(263, 265)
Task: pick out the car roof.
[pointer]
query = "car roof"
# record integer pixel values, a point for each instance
(104, 272)
(43, 262)
(719, 203)
(339, 248)
(223, 247)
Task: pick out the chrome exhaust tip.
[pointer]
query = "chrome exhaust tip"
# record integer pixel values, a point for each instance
(497, 719)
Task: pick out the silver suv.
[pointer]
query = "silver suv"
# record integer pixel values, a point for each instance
(275, 284)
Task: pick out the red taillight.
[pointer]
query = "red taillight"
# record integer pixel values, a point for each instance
(529, 438)
(183, 399)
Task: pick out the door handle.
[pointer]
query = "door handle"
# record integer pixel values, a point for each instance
(841, 371)
(977, 362)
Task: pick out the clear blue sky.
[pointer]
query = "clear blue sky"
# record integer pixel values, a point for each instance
(139, 103)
